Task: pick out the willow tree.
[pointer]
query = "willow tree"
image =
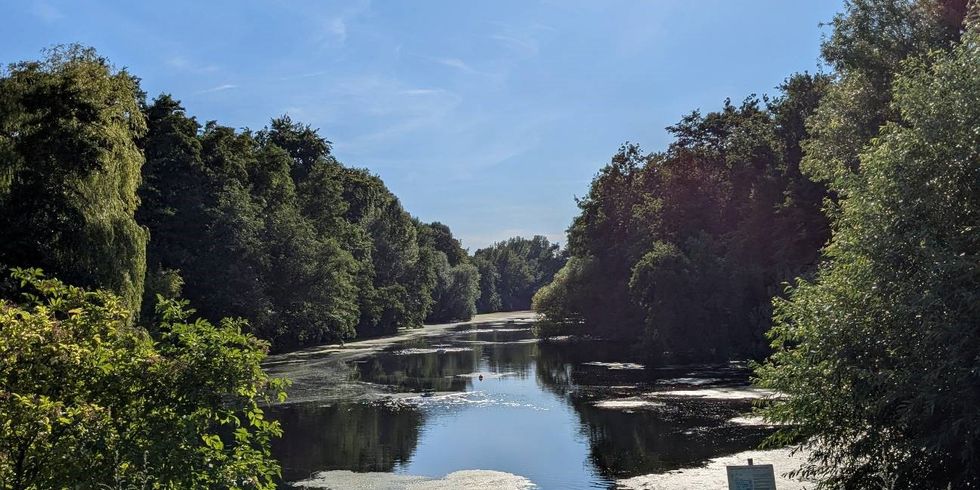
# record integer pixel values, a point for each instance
(69, 170)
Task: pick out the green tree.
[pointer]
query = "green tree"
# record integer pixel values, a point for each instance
(457, 280)
(681, 292)
(234, 212)
(87, 400)
(304, 145)
(397, 275)
(870, 39)
(489, 299)
(69, 170)
(456, 291)
(516, 268)
(443, 241)
(568, 298)
(224, 277)
(683, 250)
(877, 355)
(174, 198)
(308, 276)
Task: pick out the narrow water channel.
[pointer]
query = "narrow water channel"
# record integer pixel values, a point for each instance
(525, 412)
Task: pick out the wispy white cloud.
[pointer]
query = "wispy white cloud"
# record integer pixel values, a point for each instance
(305, 75)
(391, 108)
(184, 64)
(412, 120)
(455, 63)
(523, 40)
(421, 91)
(543, 27)
(488, 72)
(219, 88)
(337, 28)
(492, 156)
(525, 47)
(178, 62)
(46, 12)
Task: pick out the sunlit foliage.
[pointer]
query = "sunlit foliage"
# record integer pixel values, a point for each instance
(89, 401)
(878, 354)
(513, 270)
(69, 170)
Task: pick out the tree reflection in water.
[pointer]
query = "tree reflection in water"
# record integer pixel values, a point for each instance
(623, 442)
(354, 436)
(372, 434)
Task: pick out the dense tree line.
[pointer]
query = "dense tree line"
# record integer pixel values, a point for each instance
(109, 378)
(511, 272)
(324, 252)
(685, 248)
(104, 189)
(861, 188)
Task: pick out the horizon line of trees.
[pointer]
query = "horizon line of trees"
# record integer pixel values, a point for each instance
(175, 255)
(102, 188)
(833, 231)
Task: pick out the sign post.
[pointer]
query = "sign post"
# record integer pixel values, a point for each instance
(751, 477)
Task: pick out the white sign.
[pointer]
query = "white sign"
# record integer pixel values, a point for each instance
(753, 477)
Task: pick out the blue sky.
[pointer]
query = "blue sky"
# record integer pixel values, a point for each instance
(487, 116)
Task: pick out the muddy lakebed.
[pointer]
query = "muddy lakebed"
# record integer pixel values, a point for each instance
(487, 405)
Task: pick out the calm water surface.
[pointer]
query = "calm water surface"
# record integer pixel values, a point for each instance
(562, 413)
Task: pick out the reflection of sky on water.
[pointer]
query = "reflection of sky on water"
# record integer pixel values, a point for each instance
(523, 430)
(562, 414)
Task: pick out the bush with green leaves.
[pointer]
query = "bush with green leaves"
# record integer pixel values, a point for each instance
(878, 356)
(89, 401)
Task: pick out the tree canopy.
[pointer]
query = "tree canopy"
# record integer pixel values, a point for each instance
(105, 189)
(511, 272)
(685, 248)
(69, 170)
(878, 353)
(859, 186)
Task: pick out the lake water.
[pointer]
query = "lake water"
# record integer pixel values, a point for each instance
(554, 414)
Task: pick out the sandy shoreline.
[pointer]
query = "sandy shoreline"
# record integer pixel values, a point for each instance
(712, 475)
